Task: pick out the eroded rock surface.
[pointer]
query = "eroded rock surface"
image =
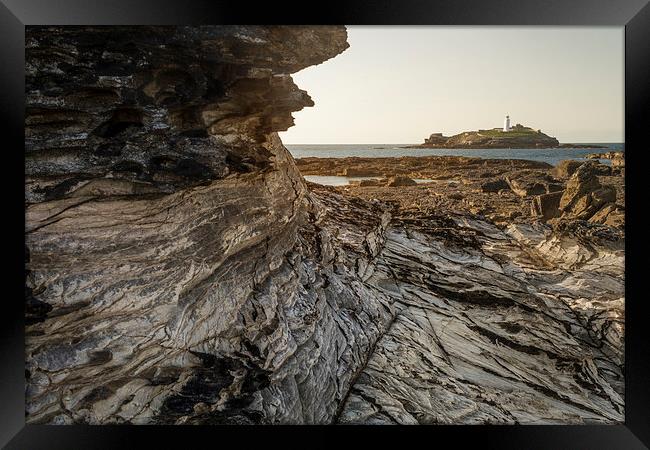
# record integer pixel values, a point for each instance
(519, 325)
(180, 269)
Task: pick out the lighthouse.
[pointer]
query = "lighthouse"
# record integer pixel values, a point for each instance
(506, 124)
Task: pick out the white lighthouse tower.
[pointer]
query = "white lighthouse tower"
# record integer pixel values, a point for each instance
(506, 124)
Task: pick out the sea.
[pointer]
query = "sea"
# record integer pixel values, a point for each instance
(549, 155)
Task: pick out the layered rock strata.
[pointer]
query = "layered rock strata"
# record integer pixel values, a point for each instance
(180, 270)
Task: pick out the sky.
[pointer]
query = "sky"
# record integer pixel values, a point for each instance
(400, 84)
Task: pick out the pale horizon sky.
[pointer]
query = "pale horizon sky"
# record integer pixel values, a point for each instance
(400, 84)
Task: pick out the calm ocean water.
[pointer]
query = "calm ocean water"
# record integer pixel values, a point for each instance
(549, 155)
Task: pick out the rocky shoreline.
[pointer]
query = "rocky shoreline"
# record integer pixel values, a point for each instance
(180, 270)
(502, 190)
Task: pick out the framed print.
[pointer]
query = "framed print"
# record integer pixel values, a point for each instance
(242, 221)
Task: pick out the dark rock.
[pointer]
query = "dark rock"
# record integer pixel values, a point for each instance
(366, 183)
(546, 205)
(494, 186)
(526, 183)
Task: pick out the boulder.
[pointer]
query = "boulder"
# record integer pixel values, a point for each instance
(366, 183)
(525, 184)
(582, 182)
(400, 181)
(603, 170)
(584, 195)
(566, 168)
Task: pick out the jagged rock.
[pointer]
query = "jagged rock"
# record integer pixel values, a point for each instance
(527, 182)
(183, 106)
(477, 345)
(604, 213)
(169, 265)
(584, 194)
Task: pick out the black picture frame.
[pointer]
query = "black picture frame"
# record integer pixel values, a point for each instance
(634, 15)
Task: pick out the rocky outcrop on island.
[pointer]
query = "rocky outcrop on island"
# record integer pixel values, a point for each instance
(519, 136)
(179, 269)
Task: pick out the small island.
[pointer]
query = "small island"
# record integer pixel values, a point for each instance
(518, 136)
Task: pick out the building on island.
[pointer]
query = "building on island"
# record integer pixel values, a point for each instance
(436, 138)
(506, 124)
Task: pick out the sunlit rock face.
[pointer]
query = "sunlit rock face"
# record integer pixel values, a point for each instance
(180, 270)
